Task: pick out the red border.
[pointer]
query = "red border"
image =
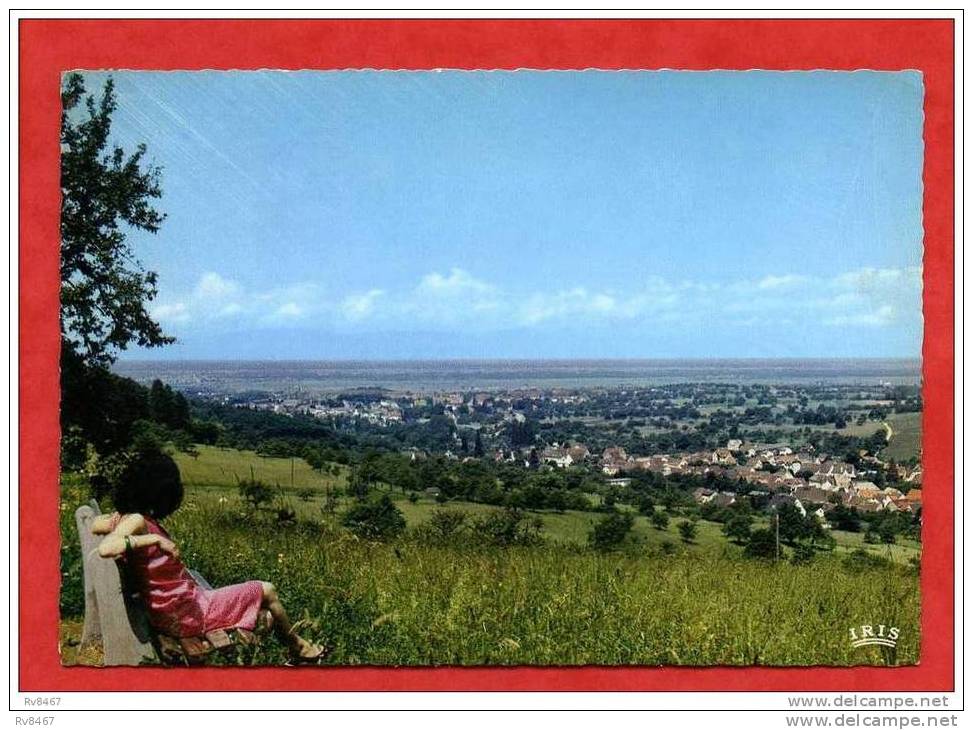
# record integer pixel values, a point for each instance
(48, 47)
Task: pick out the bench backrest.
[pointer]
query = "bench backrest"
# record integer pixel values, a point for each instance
(112, 613)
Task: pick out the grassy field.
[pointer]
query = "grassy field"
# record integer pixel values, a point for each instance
(214, 474)
(217, 467)
(413, 601)
(906, 436)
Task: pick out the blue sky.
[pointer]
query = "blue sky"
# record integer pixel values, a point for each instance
(532, 214)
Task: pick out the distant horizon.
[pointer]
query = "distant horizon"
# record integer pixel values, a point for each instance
(512, 373)
(879, 358)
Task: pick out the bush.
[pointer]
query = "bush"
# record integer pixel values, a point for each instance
(660, 520)
(763, 544)
(445, 524)
(305, 494)
(803, 554)
(255, 492)
(646, 506)
(376, 518)
(687, 530)
(611, 530)
(737, 528)
(508, 526)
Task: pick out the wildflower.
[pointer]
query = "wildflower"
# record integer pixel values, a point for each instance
(280, 557)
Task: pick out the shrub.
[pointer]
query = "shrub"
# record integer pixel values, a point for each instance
(413, 497)
(286, 516)
(508, 526)
(376, 518)
(330, 504)
(305, 494)
(803, 554)
(445, 524)
(763, 544)
(737, 528)
(255, 492)
(660, 520)
(667, 548)
(687, 530)
(646, 506)
(611, 530)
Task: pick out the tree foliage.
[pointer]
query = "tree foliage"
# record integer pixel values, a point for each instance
(611, 531)
(105, 192)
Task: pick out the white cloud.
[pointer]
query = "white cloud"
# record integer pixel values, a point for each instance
(884, 315)
(359, 306)
(458, 300)
(779, 282)
(458, 283)
(212, 287)
(171, 313)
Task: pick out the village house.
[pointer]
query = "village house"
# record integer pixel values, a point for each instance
(724, 499)
(702, 495)
(724, 456)
(559, 457)
(579, 452)
(811, 495)
(779, 500)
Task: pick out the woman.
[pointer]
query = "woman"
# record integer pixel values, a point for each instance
(148, 490)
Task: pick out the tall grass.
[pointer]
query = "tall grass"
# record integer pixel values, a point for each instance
(416, 601)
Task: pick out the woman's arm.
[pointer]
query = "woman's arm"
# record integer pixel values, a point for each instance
(131, 527)
(103, 524)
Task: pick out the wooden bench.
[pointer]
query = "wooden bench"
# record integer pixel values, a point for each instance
(115, 614)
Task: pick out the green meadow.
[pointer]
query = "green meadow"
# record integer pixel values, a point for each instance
(421, 601)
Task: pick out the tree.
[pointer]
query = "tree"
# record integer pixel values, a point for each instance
(104, 289)
(687, 530)
(660, 520)
(646, 505)
(376, 518)
(793, 525)
(763, 544)
(845, 518)
(256, 493)
(478, 446)
(611, 530)
(737, 528)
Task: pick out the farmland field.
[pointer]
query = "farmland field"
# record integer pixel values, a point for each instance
(906, 436)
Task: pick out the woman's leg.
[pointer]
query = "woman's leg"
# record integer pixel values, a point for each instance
(283, 625)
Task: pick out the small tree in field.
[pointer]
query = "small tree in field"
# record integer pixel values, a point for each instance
(737, 528)
(687, 531)
(660, 520)
(375, 518)
(256, 493)
(611, 530)
(762, 544)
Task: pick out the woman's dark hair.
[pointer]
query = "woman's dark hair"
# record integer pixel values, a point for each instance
(149, 484)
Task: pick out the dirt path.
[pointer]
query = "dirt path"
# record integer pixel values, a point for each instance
(889, 433)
